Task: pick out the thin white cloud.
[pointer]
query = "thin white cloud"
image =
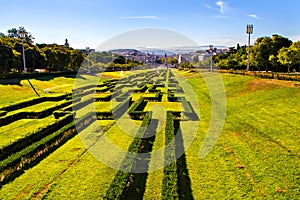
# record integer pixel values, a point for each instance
(140, 17)
(222, 8)
(210, 7)
(254, 16)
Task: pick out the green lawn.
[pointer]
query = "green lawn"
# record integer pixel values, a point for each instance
(21, 128)
(45, 86)
(257, 153)
(256, 156)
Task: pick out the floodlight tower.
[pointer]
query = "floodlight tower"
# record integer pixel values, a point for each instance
(249, 31)
(22, 36)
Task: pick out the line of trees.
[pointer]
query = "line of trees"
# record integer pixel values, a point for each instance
(107, 61)
(276, 53)
(51, 57)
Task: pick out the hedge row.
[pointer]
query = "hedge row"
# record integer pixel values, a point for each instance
(142, 89)
(169, 185)
(78, 105)
(37, 75)
(30, 153)
(31, 102)
(171, 96)
(32, 137)
(136, 111)
(32, 115)
(156, 98)
(268, 75)
(106, 98)
(120, 109)
(121, 179)
(2, 113)
(40, 148)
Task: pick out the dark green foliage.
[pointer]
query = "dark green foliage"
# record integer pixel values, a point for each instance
(34, 136)
(169, 187)
(264, 56)
(2, 113)
(32, 115)
(31, 102)
(136, 111)
(19, 158)
(118, 185)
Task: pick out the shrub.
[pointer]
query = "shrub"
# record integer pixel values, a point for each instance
(118, 185)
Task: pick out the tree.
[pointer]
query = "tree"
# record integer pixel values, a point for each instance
(120, 60)
(261, 51)
(16, 33)
(266, 50)
(290, 56)
(172, 61)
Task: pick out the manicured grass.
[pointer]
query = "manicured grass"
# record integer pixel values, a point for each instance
(168, 106)
(45, 86)
(256, 156)
(155, 177)
(36, 179)
(103, 106)
(21, 128)
(39, 107)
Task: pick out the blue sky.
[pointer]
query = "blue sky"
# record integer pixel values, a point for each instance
(91, 22)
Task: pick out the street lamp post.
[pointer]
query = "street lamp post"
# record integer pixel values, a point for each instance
(22, 36)
(249, 31)
(88, 63)
(211, 47)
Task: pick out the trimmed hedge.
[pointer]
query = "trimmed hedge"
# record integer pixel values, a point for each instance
(31, 102)
(136, 111)
(142, 89)
(21, 143)
(267, 75)
(157, 98)
(169, 186)
(32, 115)
(37, 75)
(120, 181)
(34, 151)
(2, 113)
(171, 96)
(59, 113)
(30, 153)
(106, 98)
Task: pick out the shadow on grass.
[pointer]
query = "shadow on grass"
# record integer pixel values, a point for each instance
(136, 185)
(17, 81)
(184, 181)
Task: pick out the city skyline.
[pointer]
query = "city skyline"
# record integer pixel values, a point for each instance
(92, 22)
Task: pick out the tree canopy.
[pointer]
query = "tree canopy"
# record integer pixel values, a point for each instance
(268, 54)
(38, 56)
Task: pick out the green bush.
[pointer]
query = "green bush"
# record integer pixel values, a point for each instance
(2, 113)
(136, 109)
(169, 186)
(32, 137)
(32, 115)
(31, 102)
(118, 185)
